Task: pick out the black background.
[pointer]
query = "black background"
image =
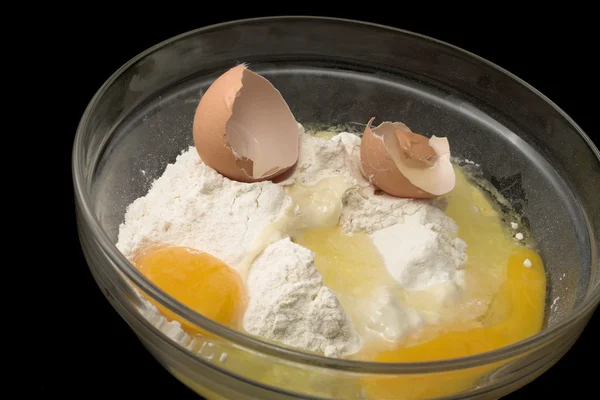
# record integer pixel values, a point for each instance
(552, 50)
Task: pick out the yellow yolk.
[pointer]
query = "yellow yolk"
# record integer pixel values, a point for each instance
(196, 279)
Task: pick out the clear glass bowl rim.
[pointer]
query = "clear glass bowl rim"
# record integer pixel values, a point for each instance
(87, 216)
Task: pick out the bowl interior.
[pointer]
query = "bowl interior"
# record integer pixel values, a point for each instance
(526, 148)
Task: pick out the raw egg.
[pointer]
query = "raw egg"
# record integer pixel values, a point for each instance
(244, 129)
(405, 164)
(196, 279)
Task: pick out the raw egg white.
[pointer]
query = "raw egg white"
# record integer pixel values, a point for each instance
(244, 129)
(406, 164)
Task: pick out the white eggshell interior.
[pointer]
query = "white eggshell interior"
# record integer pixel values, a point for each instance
(262, 131)
(437, 179)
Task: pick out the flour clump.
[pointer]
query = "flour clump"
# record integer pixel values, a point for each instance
(419, 257)
(193, 205)
(416, 239)
(368, 212)
(321, 158)
(290, 304)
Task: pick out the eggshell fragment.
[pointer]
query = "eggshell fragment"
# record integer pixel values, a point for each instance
(244, 129)
(405, 164)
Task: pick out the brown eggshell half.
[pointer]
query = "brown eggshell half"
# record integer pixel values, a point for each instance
(406, 164)
(244, 129)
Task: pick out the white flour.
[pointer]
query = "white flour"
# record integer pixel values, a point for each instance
(372, 212)
(290, 304)
(320, 158)
(416, 239)
(389, 318)
(193, 205)
(419, 256)
(172, 329)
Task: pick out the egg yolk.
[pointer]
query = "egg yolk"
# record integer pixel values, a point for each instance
(196, 279)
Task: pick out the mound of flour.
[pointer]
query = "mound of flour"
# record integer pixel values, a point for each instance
(290, 304)
(193, 205)
(416, 239)
(320, 158)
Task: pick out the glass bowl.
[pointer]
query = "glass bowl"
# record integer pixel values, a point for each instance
(336, 72)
